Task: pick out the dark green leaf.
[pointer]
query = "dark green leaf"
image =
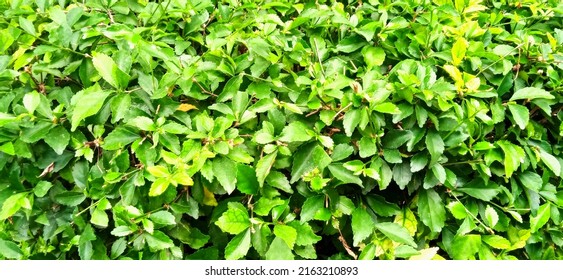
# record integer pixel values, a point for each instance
(431, 210)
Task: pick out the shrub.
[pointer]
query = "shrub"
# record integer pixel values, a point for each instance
(281, 130)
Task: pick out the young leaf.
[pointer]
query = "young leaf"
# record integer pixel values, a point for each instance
(465, 247)
(235, 219)
(458, 50)
(159, 186)
(286, 233)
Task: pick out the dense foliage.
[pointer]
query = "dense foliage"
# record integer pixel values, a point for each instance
(258, 129)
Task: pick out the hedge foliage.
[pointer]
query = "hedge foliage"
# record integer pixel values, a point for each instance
(258, 129)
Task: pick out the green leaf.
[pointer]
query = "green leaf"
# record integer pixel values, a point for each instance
(306, 159)
(479, 189)
(440, 172)
(238, 246)
(513, 156)
(381, 207)
(235, 219)
(286, 233)
(70, 198)
(85, 247)
(118, 247)
(551, 162)
(225, 170)
(121, 231)
(27, 26)
(119, 138)
(8, 148)
(99, 218)
(311, 207)
(58, 139)
(36, 132)
(246, 180)
(109, 70)
(11, 205)
(305, 234)
(6, 118)
(261, 239)
(362, 225)
(10, 250)
(457, 209)
(295, 132)
(120, 106)
(540, 219)
(344, 175)
(396, 233)
(435, 145)
(520, 114)
(465, 247)
(373, 56)
(497, 242)
(86, 103)
(387, 108)
(368, 253)
(396, 138)
(278, 180)
(431, 210)
(279, 250)
(341, 151)
(418, 162)
(31, 101)
(531, 93)
(491, 216)
(158, 241)
(264, 166)
(163, 218)
(531, 180)
(42, 187)
(367, 147)
(351, 120)
(402, 174)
